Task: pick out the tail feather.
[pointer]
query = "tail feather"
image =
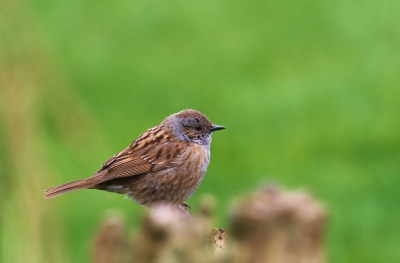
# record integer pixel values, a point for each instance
(71, 186)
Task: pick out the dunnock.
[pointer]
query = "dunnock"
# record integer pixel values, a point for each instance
(165, 164)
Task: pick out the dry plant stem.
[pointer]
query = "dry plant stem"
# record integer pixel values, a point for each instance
(218, 240)
(270, 225)
(168, 234)
(111, 243)
(32, 86)
(277, 226)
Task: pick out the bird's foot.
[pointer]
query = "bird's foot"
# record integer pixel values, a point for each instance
(184, 207)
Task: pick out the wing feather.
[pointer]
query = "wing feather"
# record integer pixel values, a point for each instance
(153, 157)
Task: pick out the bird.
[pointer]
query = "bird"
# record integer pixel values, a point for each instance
(164, 165)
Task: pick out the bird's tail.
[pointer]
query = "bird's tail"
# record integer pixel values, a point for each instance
(71, 186)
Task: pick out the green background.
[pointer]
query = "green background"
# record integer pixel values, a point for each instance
(309, 92)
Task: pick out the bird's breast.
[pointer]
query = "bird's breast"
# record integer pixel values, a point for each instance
(197, 157)
(193, 168)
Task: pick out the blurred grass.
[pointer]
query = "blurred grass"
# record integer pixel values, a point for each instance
(309, 93)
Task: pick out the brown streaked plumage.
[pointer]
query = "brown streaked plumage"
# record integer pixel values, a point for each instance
(165, 164)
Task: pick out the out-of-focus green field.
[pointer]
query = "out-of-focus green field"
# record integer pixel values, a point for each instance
(309, 92)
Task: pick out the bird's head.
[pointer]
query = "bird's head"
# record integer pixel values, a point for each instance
(191, 125)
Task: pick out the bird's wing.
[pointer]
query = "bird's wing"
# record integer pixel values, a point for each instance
(130, 161)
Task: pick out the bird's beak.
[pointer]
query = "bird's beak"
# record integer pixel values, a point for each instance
(216, 128)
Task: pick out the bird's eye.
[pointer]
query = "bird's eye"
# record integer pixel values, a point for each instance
(197, 127)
